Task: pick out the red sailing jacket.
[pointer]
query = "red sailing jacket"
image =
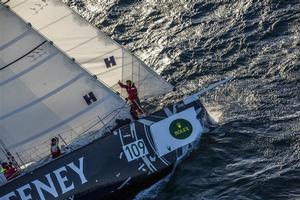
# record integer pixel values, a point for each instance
(10, 172)
(131, 91)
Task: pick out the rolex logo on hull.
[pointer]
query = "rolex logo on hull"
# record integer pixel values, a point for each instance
(181, 129)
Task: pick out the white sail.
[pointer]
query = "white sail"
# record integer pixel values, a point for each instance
(92, 49)
(44, 93)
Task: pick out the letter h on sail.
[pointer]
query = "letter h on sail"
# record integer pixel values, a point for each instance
(110, 62)
(90, 98)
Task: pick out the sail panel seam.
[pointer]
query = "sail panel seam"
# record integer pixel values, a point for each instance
(28, 70)
(62, 122)
(14, 40)
(54, 22)
(99, 57)
(43, 97)
(82, 43)
(23, 56)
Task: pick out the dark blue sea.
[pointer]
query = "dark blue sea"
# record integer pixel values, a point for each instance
(255, 153)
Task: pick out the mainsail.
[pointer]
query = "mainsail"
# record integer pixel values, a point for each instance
(96, 52)
(44, 93)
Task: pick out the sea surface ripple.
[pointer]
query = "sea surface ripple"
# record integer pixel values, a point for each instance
(255, 154)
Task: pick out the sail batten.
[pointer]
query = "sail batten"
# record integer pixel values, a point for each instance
(96, 52)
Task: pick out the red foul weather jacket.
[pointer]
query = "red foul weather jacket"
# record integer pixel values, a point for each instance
(131, 91)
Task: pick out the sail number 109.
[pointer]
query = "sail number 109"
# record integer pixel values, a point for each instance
(135, 150)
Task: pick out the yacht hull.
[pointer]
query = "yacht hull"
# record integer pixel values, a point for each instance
(121, 163)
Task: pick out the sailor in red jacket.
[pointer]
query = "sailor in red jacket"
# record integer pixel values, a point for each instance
(133, 98)
(10, 171)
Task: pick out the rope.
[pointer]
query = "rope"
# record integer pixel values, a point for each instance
(140, 108)
(119, 110)
(36, 152)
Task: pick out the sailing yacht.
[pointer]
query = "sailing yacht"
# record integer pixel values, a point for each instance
(58, 78)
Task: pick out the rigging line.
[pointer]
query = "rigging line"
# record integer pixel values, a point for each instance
(119, 47)
(61, 123)
(106, 116)
(104, 125)
(119, 110)
(23, 55)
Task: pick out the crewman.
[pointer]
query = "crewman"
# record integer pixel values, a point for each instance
(55, 150)
(10, 171)
(135, 105)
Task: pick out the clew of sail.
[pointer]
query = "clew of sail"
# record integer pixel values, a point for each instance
(96, 52)
(44, 93)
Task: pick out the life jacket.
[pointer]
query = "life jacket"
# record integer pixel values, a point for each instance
(55, 150)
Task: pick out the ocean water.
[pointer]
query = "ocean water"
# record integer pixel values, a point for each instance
(255, 154)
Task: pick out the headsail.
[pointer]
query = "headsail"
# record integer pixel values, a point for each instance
(43, 92)
(90, 47)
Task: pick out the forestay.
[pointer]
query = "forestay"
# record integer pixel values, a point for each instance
(44, 93)
(90, 47)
